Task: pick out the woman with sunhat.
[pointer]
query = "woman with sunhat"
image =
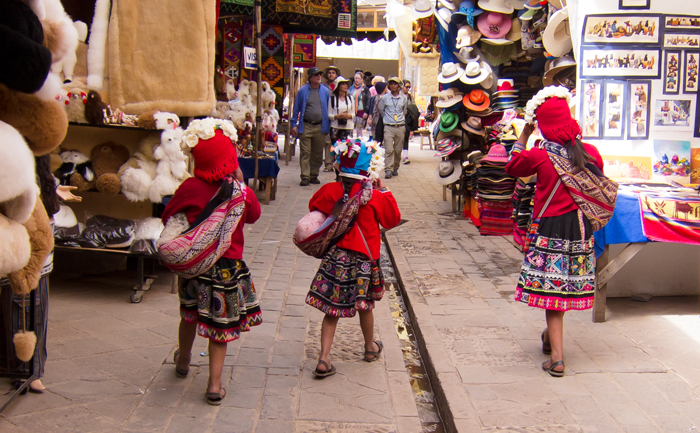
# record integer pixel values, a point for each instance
(558, 272)
(341, 112)
(221, 303)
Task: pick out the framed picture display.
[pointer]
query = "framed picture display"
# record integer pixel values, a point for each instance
(681, 22)
(614, 102)
(591, 107)
(682, 40)
(635, 4)
(672, 74)
(620, 63)
(696, 126)
(638, 120)
(690, 71)
(672, 114)
(622, 29)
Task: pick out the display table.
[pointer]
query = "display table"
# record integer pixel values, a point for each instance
(267, 175)
(625, 227)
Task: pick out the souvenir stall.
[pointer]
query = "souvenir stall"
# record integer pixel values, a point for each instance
(637, 92)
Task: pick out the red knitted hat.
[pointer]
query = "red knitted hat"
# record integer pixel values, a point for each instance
(555, 121)
(214, 158)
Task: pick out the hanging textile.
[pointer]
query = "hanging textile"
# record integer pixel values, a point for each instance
(304, 49)
(328, 17)
(233, 49)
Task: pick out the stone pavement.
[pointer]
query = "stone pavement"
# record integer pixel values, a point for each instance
(110, 362)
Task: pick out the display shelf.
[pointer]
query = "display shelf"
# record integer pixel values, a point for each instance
(119, 127)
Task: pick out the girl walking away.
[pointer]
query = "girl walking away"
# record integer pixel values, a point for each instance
(220, 303)
(349, 280)
(341, 111)
(558, 272)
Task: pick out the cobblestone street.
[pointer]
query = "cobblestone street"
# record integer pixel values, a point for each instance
(110, 363)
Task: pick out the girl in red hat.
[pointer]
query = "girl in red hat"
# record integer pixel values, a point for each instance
(220, 303)
(558, 273)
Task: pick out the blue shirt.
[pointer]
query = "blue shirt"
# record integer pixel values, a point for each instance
(393, 108)
(300, 107)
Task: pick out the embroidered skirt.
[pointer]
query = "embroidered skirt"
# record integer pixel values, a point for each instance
(222, 301)
(558, 271)
(346, 281)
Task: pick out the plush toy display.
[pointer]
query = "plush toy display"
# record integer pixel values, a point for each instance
(139, 171)
(62, 34)
(268, 96)
(75, 105)
(106, 159)
(158, 120)
(74, 162)
(95, 108)
(220, 111)
(172, 165)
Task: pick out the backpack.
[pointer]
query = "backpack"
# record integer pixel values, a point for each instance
(592, 191)
(332, 230)
(194, 251)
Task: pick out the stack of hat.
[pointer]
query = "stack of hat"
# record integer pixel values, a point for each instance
(495, 191)
(506, 96)
(477, 103)
(522, 207)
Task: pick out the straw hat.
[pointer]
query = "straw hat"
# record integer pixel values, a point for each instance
(488, 82)
(422, 9)
(448, 98)
(444, 16)
(500, 6)
(468, 54)
(448, 4)
(473, 125)
(447, 172)
(473, 73)
(466, 36)
(450, 72)
(476, 100)
(515, 32)
(557, 35)
(557, 66)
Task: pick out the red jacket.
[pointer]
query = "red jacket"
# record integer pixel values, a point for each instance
(194, 194)
(536, 161)
(381, 209)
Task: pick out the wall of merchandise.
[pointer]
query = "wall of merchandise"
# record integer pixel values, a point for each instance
(638, 86)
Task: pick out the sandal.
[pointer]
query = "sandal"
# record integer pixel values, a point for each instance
(329, 371)
(546, 346)
(374, 355)
(178, 371)
(552, 372)
(215, 398)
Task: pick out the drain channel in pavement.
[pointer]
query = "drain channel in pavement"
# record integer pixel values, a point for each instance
(422, 390)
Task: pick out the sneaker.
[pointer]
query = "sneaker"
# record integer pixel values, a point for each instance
(395, 173)
(315, 181)
(406, 161)
(304, 182)
(387, 175)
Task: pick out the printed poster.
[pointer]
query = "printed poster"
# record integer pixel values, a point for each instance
(628, 168)
(671, 161)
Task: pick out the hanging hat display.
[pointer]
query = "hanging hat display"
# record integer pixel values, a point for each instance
(468, 54)
(466, 36)
(488, 82)
(468, 11)
(422, 9)
(447, 172)
(515, 32)
(518, 4)
(448, 97)
(505, 86)
(450, 72)
(494, 25)
(500, 6)
(448, 121)
(473, 73)
(446, 146)
(473, 125)
(444, 17)
(533, 4)
(448, 4)
(477, 100)
(557, 36)
(556, 67)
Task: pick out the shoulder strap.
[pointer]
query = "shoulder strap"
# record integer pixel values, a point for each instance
(215, 202)
(362, 235)
(551, 195)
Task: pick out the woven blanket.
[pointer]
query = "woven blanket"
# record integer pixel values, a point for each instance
(670, 218)
(161, 56)
(496, 218)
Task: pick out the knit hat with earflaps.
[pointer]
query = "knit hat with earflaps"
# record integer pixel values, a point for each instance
(213, 148)
(550, 107)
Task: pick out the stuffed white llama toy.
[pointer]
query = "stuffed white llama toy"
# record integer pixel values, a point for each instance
(172, 165)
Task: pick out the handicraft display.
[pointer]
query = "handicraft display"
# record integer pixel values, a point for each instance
(671, 161)
(615, 96)
(672, 114)
(590, 109)
(627, 168)
(638, 126)
(672, 74)
(681, 22)
(620, 63)
(690, 73)
(622, 29)
(680, 40)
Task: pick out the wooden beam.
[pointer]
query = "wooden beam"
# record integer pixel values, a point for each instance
(601, 293)
(606, 269)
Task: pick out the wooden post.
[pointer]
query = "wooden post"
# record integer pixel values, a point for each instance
(601, 291)
(605, 270)
(258, 56)
(288, 141)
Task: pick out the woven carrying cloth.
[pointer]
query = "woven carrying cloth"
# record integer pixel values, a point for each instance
(194, 251)
(334, 228)
(593, 193)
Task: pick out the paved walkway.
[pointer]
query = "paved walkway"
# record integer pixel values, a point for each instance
(110, 362)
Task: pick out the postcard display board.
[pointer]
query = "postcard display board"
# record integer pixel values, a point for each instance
(638, 104)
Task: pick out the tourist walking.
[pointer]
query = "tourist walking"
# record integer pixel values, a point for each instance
(375, 119)
(330, 74)
(341, 112)
(310, 122)
(349, 280)
(361, 95)
(221, 303)
(392, 108)
(558, 272)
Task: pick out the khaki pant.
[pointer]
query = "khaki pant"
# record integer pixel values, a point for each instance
(393, 143)
(311, 144)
